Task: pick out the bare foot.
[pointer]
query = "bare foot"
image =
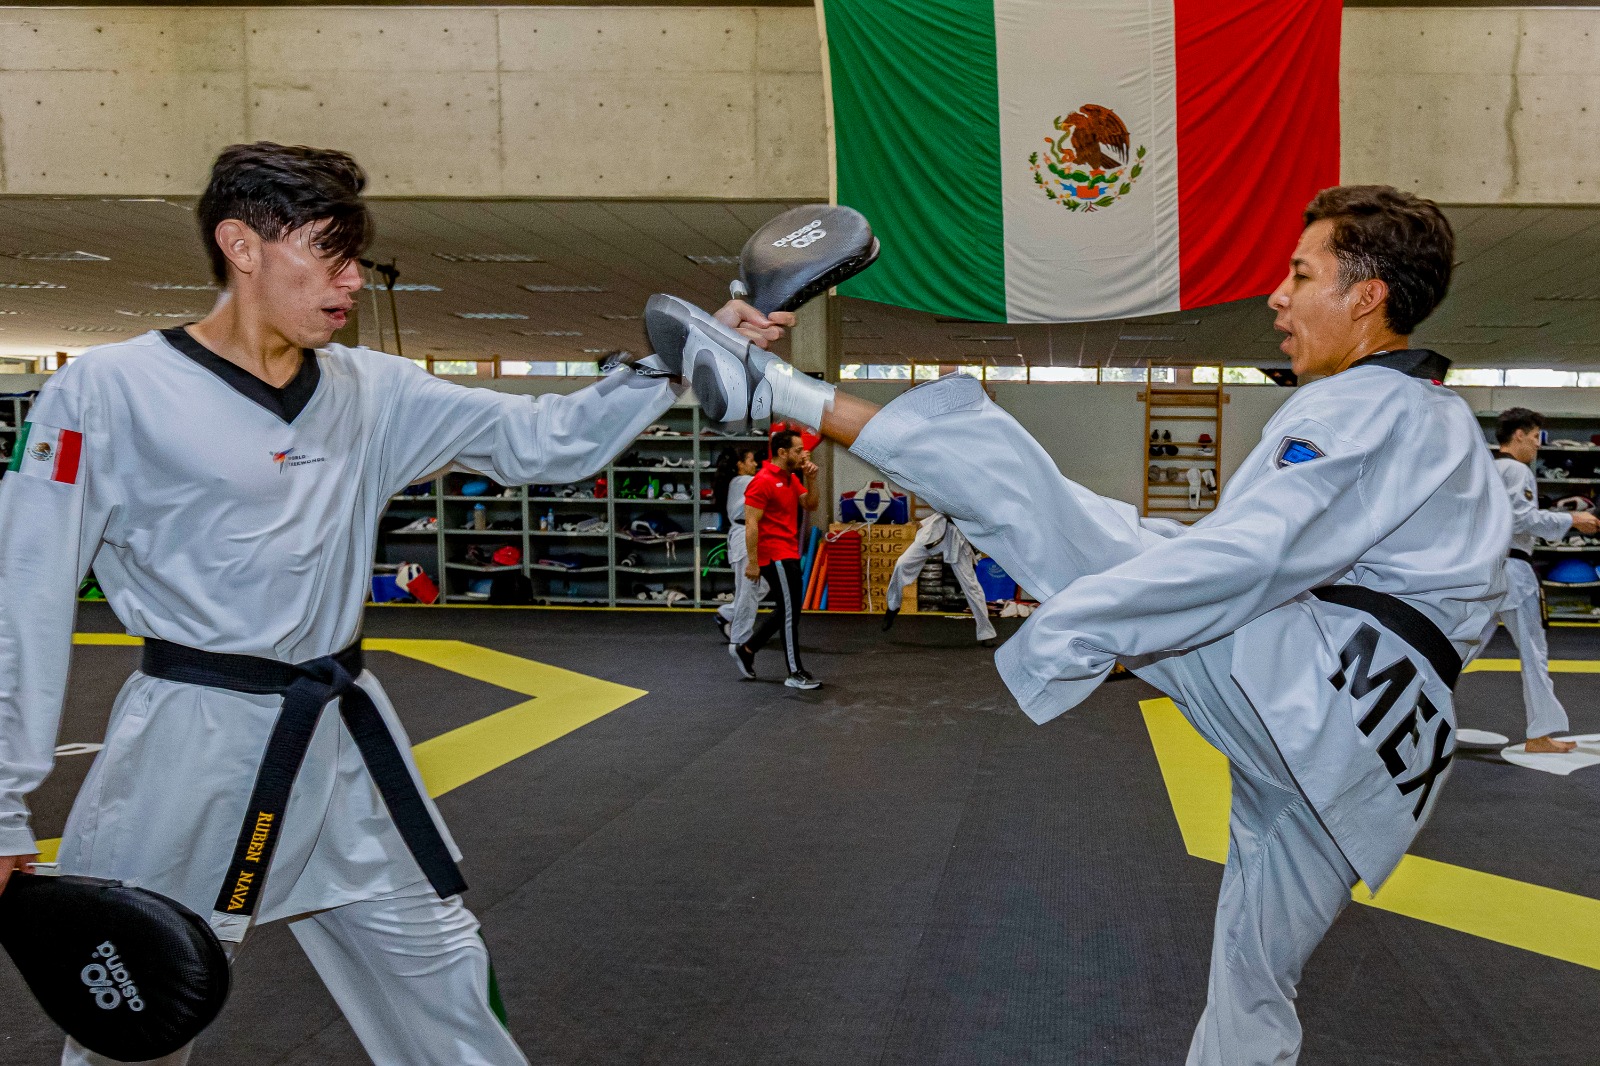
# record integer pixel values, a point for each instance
(1548, 746)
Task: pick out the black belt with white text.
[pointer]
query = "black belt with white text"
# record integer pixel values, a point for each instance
(1518, 553)
(307, 688)
(1404, 621)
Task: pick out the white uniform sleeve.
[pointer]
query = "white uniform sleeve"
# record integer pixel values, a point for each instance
(1525, 514)
(1299, 527)
(47, 544)
(515, 439)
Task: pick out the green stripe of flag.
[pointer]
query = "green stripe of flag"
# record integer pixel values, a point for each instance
(20, 448)
(917, 131)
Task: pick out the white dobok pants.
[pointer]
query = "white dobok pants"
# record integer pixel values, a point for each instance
(747, 595)
(1285, 880)
(1524, 621)
(909, 566)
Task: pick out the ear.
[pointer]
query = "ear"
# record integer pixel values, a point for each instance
(1367, 297)
(240, 245)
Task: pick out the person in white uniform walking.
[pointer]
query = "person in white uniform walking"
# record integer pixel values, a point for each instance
(1518, 432)
(1311, 627)
(938, 538)
(737, 620)
(225, 480)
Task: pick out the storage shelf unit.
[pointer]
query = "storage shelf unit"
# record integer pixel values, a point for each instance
(1567, 602)
(1183, 414)
(604, 575)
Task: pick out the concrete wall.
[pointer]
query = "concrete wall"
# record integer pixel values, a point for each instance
(1467, 106)
(458, 102)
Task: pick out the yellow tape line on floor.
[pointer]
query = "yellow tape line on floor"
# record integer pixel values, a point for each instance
(563, 701)
(1562, 925)
(1512, 666)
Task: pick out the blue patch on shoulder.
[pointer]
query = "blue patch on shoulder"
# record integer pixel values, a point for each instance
(1294, 450)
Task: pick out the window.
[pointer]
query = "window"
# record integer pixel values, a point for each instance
(1163, 375)
(1090, 374)
(1244, 375)
(1475, 377)
(1542, 379)
(1006, 373)
(1124, 373)
(1206, 375)
(889, 371)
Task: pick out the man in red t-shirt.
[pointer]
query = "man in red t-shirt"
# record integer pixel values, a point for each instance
(772, 504)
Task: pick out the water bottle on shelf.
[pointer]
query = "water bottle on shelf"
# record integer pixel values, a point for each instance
(480, 516)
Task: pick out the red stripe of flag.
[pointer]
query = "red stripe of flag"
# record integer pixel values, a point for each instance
(1258, 136)
(68, 451)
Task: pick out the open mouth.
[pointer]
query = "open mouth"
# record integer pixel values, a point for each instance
(337, 315)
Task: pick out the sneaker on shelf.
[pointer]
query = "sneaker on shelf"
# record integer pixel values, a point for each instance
(801, 679)
(746, 660)
(420, 525)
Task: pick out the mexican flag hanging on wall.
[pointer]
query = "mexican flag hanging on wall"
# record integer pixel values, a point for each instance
(1068, 161)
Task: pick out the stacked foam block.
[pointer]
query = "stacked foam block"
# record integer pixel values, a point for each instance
(883, 546)
(841, 554)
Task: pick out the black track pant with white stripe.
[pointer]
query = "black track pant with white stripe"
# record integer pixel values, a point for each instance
(783, 577)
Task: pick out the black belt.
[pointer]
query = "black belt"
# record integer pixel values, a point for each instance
(737, 521)
(1518, 553)
(1404, 621)
(306, 689)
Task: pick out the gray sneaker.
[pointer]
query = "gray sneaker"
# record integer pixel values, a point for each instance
(803, 680)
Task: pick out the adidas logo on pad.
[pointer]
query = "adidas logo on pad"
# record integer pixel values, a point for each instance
(810, 233)
(109, 980)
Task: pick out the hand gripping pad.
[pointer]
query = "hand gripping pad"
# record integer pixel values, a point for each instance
(126, 972)
(803, 252)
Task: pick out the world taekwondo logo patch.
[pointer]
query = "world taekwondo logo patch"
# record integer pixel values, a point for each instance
(1294, 450)
(286, 459)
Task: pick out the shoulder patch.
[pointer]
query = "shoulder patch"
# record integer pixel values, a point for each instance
(1527, 494)
(1294, 450)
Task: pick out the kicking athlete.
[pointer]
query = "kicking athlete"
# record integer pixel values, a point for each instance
(938, 537)
(225, 481)
(1523, 609)
(1311, 627)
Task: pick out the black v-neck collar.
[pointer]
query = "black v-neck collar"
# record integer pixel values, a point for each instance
(1413, 362)
(286, 403)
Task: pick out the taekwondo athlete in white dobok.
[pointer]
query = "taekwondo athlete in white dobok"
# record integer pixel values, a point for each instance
(738, 619)
(1310, 627)
(225, 480)
(1522, 611)
(938, 538)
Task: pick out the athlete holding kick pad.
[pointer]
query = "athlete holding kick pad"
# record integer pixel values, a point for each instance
(1311, 627)
(225, 483)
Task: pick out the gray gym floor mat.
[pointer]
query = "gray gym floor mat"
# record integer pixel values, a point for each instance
(897, 868)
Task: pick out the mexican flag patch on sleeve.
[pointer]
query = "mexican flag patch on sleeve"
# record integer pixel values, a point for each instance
(47, 452)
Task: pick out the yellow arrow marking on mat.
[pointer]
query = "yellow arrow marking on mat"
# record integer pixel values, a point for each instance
(1562, 925)
(563, 701)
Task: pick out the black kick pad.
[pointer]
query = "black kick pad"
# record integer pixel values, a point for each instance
(128, 973)
(803, 252)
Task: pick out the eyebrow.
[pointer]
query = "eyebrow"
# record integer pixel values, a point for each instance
(1298, 262)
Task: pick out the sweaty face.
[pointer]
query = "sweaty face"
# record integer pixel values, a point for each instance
(306, 294)
(1313, 309)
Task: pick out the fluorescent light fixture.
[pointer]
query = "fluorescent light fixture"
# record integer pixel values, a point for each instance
(713, 260)
(976, 338)
(1506, 325)
(59, 257)
(547, 333)
(10, 312)
(95, 329)
(180, 286)
(1144, 337)
(30, 285)
(563, 288)
(406, 286)
(621, 318)
(492, 315)
(162, 314)
(487, 257)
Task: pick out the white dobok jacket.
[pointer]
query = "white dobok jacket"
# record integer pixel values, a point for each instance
(1527, 521)
(222, 514)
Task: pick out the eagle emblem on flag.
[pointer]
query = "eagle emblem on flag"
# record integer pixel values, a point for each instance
(1089, 163)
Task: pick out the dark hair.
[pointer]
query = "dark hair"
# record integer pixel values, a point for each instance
(728, 461)
(1396, 237)
(781, 440)
(1516, 418)
(275, 190)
